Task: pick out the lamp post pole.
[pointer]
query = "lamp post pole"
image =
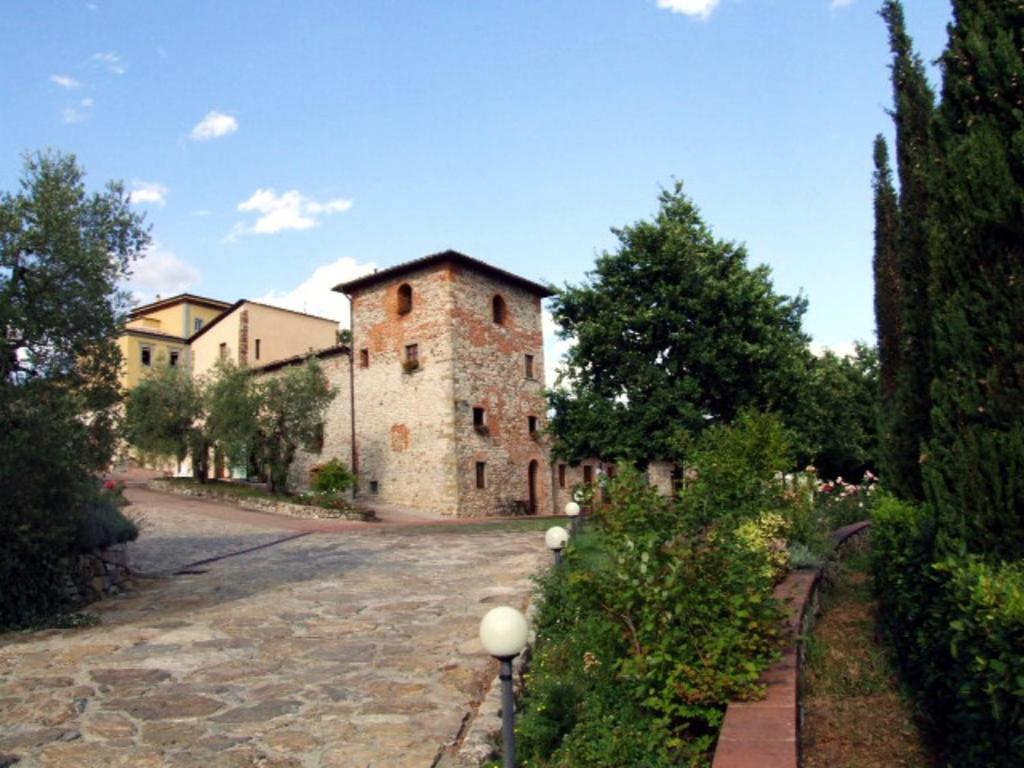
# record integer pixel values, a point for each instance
(504, 633)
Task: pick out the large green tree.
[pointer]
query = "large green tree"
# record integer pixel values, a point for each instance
(913, 109)
(292, 405)
(164, 416)
(62, 253)
(672, 332)
(975, 460)
(839, 415)
(888, 303)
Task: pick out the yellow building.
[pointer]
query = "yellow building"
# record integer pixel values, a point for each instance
(254, 334)
(157, 334)
(196, 332)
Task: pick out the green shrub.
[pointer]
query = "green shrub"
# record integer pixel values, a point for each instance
(639, 648)
(333, 477)
(983, 675)
(957, 624)
(102, 525)
(736, 470)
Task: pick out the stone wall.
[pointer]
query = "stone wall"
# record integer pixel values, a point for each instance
(574, 477)
(405, 418)
(95, 575)
(490, 373)
(659, 475)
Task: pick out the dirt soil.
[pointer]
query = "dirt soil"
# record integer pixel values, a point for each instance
(856, 715)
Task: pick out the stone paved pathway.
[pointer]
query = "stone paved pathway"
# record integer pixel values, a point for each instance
(335, 649)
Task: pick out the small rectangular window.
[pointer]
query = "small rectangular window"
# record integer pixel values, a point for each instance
(257, 349)
(478, 417)
(588, 474)
(561, 475)
(532, 422)
(374, 487)
(223, 350)
(481, 474)
(412, 357)
(364, 358)
(197, 325)
(147, 356)
(174, 358)
(529, 366)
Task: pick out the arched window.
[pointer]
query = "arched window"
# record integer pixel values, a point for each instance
(404, 299)
(498, 310)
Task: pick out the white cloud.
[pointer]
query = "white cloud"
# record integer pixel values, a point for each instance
(65, 81)
(111, 60)
(213, 126)
(841, 3)
(78, 112)
(200, 212)
(702, 8)
(148, 192)
(554, 349)
(160, 272)
(291, 210)
(315, 296)
(842, 349)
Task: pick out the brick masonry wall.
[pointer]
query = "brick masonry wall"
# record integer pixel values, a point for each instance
(405, 420)
(490, 373)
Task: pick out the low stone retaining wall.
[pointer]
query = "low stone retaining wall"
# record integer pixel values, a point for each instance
(273, 506)
(91, 576)
(766, 733)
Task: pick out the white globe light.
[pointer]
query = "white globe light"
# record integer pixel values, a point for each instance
(503, 632)
(572, 509)
(556, 537)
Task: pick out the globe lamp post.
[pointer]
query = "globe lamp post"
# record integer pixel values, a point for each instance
(555, 539)
(504, 632)
(572, 511)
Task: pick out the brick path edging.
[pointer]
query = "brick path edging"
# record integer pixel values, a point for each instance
(766, 733)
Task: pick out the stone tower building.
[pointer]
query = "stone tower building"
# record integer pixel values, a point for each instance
(447, 368)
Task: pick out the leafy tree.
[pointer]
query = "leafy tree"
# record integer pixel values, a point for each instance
(674, 332)
(163, 413)
(976, 457)
(62, 252)
(840, 413)
(292, 405)
(231, 399)
(914, 107)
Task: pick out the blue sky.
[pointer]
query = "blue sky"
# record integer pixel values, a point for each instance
(278, 148)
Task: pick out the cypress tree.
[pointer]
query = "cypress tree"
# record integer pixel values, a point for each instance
(975, 467)
(888, 319)
(914, 107)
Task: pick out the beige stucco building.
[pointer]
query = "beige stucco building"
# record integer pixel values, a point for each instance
(196, 332)
(249, 333)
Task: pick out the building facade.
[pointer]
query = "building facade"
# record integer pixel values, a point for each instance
(252, 334)
(448, 370)
(439, 404)
(158, 334)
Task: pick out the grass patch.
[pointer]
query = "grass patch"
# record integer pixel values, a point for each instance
(857, 714)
